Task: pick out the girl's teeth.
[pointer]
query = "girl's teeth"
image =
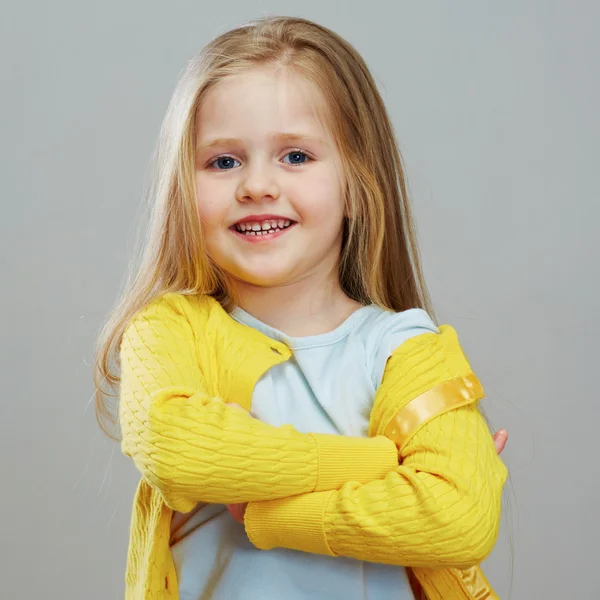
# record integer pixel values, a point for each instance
(263, 228)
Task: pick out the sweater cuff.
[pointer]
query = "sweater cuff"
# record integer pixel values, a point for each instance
(296, 523)
(344, 458)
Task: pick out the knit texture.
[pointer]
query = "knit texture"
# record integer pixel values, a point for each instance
(440, 507)
(192, 446)
(183, 359)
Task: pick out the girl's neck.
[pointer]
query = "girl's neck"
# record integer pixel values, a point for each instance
(299, 309)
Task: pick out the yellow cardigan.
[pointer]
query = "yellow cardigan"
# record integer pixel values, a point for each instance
(423, 491)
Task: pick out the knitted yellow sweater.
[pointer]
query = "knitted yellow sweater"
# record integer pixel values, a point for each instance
(422, 492)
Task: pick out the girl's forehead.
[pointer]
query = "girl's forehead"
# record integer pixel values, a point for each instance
(264, 99)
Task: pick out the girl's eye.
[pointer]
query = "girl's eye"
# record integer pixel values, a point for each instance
(224, 163)
(297, 157)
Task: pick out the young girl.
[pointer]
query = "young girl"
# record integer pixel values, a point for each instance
(278, 364)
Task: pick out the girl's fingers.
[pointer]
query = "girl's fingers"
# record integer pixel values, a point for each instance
(237, 511)
(500, 438)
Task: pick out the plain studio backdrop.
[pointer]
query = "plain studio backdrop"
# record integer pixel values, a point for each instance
(496, 109)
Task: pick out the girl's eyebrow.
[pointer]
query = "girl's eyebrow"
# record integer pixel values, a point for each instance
(289, 137)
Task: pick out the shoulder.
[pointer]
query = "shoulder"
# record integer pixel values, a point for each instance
(174, 314)
(176, 304)
(421, 364)
(386, 331)
(172, 325)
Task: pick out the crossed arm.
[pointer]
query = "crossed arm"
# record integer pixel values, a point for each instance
(434, 503)
(192, 447)
(440, 506)
(238, 511)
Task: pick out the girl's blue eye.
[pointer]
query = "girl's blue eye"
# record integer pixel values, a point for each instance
(297, 157)
(224, 163)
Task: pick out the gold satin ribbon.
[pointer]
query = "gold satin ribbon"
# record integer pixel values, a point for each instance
(468, 584)
(450, 394)
(476, 584)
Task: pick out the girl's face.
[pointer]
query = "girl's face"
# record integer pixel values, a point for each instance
(268, 184)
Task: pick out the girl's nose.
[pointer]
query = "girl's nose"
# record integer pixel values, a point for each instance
(257, 185)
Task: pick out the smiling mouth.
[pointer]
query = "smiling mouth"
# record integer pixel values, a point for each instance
(254, 228)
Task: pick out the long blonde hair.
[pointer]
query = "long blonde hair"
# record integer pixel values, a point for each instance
(379, 263)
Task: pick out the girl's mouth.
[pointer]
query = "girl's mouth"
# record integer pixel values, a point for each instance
(262, 228)
(255, 231)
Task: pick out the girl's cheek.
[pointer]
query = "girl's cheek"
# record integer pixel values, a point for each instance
(210, 214)
(207, 201)
(325, 204)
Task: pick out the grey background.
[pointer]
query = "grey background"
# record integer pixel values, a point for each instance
(496, 108)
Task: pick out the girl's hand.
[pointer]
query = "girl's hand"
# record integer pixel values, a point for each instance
(237, 511)
(500, 438)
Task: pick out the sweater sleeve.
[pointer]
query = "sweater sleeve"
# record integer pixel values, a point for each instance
(192, 446)
(439, 507)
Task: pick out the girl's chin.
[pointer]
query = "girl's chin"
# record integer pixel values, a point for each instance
(261, 282)
(263, 279)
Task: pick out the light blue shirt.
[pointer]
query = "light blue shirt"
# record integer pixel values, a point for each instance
(328, 386)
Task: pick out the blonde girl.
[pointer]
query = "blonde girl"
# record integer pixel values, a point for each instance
(302, 426)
